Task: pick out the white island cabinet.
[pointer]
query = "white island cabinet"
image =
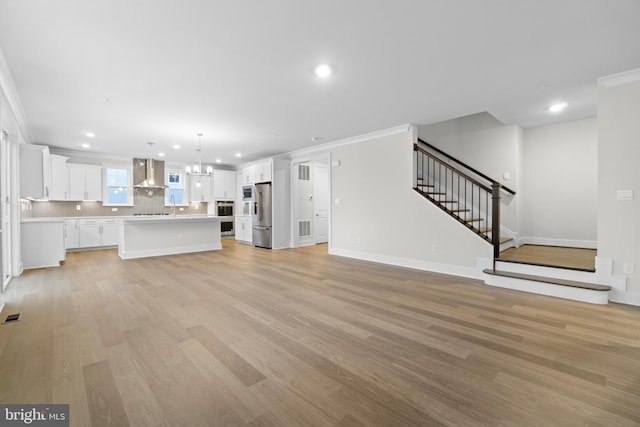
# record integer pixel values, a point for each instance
(167, 235)
(42, 242)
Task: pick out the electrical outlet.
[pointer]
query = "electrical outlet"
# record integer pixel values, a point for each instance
(78, 207)
(627, 268)
(114, 209)
(434, 248)
(181, 209)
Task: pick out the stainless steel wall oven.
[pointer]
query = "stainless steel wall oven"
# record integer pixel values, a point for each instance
(224, 209)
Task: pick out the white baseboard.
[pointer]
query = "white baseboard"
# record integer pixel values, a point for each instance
(1, 302)
(567, 243)
(453, 270)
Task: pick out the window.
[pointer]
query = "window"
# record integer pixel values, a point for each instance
(175, 182)
(118, 187)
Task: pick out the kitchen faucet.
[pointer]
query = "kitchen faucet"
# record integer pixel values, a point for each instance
(172, 200)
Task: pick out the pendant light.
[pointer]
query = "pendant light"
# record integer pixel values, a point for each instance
(197, 169)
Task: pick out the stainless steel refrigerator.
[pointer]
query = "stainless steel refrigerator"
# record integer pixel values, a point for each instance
(262, 215)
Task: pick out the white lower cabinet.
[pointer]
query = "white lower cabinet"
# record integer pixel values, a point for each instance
(71, 237)
(243, 229)
(109, 232)
(42, 242)
(94, 233)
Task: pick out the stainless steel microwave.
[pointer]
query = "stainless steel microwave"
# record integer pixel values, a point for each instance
(247, 193)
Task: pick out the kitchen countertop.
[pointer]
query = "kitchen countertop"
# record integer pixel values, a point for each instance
(44, 219)
(168, 217)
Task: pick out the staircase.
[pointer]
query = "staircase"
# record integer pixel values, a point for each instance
(473, 199)
(467, 195)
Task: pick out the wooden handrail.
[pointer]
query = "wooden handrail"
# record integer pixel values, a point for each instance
(458, 171)
(464, 165)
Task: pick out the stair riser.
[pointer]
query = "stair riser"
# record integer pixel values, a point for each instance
(558, 291)
(557, 273)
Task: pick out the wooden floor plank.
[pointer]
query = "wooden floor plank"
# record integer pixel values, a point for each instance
(103, 397)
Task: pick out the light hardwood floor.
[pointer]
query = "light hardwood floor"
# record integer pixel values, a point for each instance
(248, 336)
(575, 258)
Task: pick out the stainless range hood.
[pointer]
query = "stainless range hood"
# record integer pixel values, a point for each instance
(148, 173)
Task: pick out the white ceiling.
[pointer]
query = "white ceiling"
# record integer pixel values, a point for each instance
(240, 71)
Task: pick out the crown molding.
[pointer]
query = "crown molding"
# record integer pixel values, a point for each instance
(620, 78)
(346, 141)
(8, 87)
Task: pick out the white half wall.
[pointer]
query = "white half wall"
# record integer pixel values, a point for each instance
(618, 169)
(376, 215)
(560, 184)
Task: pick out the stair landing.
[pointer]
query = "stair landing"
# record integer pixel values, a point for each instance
(546, 270)
(580, 259)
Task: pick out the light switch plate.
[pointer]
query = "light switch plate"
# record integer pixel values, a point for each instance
(627, 268)
(506, 176)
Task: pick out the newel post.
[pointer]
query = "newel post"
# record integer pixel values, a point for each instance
(495, 219)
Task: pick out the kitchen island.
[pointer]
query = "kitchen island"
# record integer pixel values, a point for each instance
(147, 236)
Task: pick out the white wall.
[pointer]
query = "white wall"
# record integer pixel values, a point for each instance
(559, 190)
(487, 145)
(619, 169)
(381, 218)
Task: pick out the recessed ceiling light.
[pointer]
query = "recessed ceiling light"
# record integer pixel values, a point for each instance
(85, 145)
(176, 147)
(238, 155)
(315, 138)
(218, 160)
(161, 154)
(323, 71)
(556, 108)
(90, 134)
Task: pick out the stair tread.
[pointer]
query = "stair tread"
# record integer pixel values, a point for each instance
(457, 210)
(484, 230)
(550, 280)
(505, 239)
(472, 219)
(446, 201)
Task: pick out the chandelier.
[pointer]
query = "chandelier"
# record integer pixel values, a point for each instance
(197, 169)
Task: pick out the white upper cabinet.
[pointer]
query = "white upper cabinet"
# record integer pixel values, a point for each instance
(262, 172)
(224, 184)
(248, 175)
(258, 172)
(85, 182)
(59, 178)
(35, 174)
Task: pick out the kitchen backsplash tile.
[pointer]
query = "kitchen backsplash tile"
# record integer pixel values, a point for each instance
(143, 204)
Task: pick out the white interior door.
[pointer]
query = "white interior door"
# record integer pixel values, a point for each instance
(321, 202)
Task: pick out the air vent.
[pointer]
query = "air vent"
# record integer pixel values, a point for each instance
(304, 228)
(304, 172)
(12, 318)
